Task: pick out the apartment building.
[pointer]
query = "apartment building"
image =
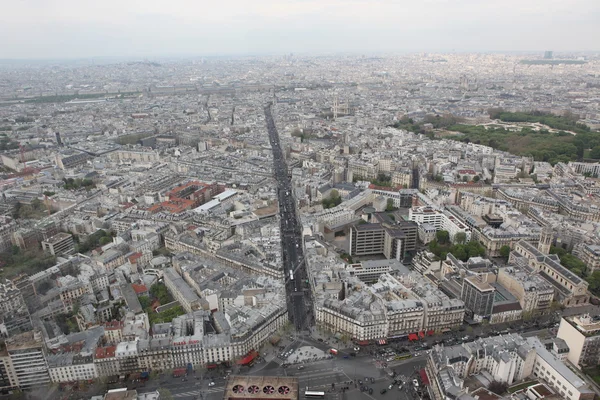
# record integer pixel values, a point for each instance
(557, 375)
(67, 367)
(589, 254)
(106, 361)
(11, 299)
(391, 307)
(510, 359)
(70, 295)
(581, 333)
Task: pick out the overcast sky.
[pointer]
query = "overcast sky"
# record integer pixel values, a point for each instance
(146, 28)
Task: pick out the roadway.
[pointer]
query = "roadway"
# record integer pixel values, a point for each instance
(298, 294)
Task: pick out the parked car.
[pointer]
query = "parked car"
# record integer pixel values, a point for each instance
(211, 384)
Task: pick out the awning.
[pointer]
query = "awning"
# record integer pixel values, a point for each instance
(381, 342)
(422, 334)
(211, 366)
(363, 343)
(424, 377)
(337, 335)
(430, 332)
(413, 336)
(248, 359)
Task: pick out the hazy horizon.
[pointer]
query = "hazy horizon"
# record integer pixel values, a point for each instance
(69, 29)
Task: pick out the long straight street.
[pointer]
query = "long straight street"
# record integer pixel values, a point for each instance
(291, 234)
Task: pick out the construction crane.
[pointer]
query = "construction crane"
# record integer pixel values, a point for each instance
(26, 170)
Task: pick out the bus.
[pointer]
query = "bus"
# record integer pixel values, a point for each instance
(314, 395)
(291, 275)
(404, 357)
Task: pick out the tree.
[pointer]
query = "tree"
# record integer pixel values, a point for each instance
(498, 387)
(390, 205)
(460, 238)
(165, 394)
(442, 237)
(505, 251)
(144, 301)
(460, 253)
(595, 153)
(476, 178)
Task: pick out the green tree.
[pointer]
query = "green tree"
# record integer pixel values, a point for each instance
(144, 301)
(165, 394)
(460, 253)
(390, 205)
(595, 153)
(505, 251)
(442, 237)
(460, 238)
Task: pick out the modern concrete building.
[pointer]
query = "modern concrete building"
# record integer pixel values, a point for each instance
(27, 359)
(59, 245)
(392, 241)
(478, 295)
(582, 335)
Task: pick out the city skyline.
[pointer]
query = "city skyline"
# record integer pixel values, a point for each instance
(66, 29)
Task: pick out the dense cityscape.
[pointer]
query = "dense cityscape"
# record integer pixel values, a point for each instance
(418, 226)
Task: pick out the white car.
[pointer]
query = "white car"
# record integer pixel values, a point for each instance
(357, 349)
(211, 384)
(416, 383)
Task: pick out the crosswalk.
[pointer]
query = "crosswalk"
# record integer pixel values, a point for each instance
(196, 392)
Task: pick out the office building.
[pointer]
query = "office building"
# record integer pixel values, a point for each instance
(27, 359)
(59, 244)
(478, 295)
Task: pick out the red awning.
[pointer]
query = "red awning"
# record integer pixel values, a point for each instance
(246, 360)
(363, 343)
(424, 377)
(430, 333)
(381, 342)
(211, 366)
(413, 336)
(422, 334)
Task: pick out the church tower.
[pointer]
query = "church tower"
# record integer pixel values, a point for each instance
(546, 240)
